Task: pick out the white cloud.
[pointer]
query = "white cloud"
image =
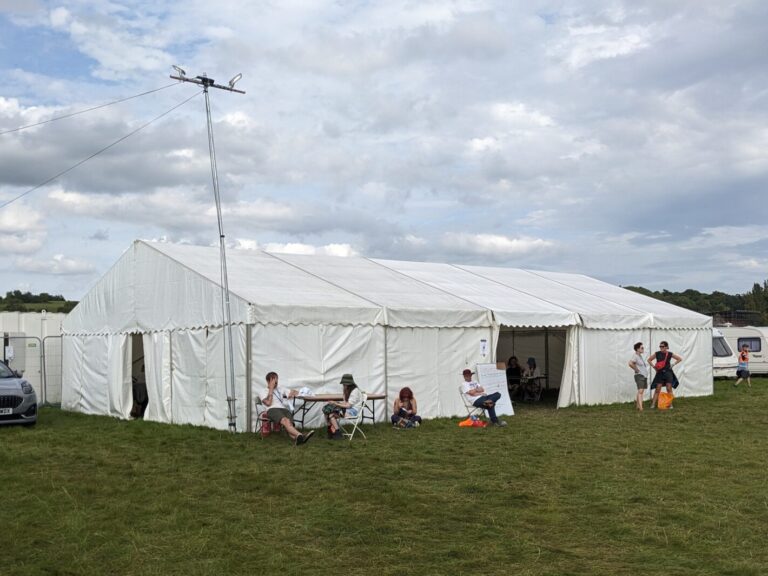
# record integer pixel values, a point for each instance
(589, 43)
(57, 265)
(299, 248)
(21, 230)
(518, 114)
(494, 245)
(725, 237)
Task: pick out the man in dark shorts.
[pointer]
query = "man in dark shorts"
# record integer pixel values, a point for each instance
(640, 368)
(661, 361)
(278, 412)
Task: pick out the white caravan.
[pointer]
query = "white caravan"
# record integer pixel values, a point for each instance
(757, 340)
(724, 359)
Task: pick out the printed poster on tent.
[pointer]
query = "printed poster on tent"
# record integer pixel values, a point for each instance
(495, 380)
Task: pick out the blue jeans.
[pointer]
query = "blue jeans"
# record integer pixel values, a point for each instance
(403, 414)
(491, 410)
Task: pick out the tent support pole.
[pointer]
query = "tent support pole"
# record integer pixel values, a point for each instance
(248, 384)
(386, 378)
(546, 356)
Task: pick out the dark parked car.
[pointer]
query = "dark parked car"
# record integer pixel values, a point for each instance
(18, 402)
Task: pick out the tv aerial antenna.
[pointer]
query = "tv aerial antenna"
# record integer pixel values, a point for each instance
(229, 362)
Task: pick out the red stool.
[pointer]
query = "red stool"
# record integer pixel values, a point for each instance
(266, 427)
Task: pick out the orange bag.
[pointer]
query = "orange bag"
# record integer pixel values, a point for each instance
(467, 423)
(665, 400)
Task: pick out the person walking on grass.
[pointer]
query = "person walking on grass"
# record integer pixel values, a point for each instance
(640, 368)
(278, 412)
(661, 362)
(743, 371)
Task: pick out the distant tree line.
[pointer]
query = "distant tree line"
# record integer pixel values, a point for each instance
(752, 306)
(18, 301)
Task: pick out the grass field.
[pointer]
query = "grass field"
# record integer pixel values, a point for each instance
(597, 490)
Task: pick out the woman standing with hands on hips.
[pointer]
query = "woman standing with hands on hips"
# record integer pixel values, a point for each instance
(661, 361)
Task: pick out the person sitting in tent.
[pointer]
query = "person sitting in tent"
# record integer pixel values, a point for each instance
(404, 410)
(349, 407)
(476, 396)
(278, 412)
(140, 396)
(531, 380)
(514, 374)
(661, 361)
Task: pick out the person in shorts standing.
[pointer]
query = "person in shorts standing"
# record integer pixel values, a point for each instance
(743, 371)
(640, 368)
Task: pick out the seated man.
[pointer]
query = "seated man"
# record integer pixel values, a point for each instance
(279, 413)
(476, 396)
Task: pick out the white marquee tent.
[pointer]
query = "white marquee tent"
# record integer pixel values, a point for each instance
(314, 318)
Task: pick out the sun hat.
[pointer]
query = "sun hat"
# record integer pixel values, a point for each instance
(347, 380)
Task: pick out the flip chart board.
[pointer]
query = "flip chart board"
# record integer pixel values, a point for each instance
(495, 380)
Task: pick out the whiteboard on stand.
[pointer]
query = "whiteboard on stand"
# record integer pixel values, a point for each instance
(495, 380)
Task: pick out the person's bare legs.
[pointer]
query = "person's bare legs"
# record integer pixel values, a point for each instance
(290, 428)
(639, 399)
(655, 399)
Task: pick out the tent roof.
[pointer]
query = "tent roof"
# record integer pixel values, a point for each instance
(159, 286)
(511, 307)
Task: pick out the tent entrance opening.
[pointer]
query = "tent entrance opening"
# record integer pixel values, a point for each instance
(546, 346)
(138, 377)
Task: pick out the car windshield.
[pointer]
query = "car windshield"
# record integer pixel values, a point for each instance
(6, 372)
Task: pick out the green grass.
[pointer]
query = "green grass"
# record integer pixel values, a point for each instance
(596, 490)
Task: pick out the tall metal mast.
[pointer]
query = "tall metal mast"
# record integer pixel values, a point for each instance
(229, 362)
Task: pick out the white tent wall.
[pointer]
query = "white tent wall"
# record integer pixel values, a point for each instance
(71, 372)
(429, 361)
(86, 370)
(604, 377)
(157, 364)
(119, 386)
(96, 376)
(695, 346)
(569, 384)
(198, 389)
(316, 356)
(216, 408)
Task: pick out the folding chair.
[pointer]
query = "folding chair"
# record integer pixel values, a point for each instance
(263, 426)
(354, 421)
(471, 409)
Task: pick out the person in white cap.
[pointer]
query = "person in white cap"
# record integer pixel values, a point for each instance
(475, 395)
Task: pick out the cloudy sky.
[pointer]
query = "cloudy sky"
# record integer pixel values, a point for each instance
(620, 139)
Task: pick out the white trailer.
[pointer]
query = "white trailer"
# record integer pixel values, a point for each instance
(724, 359)
(757, 340)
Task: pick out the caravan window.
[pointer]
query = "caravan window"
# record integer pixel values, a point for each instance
(720, 348)
(753, 343)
